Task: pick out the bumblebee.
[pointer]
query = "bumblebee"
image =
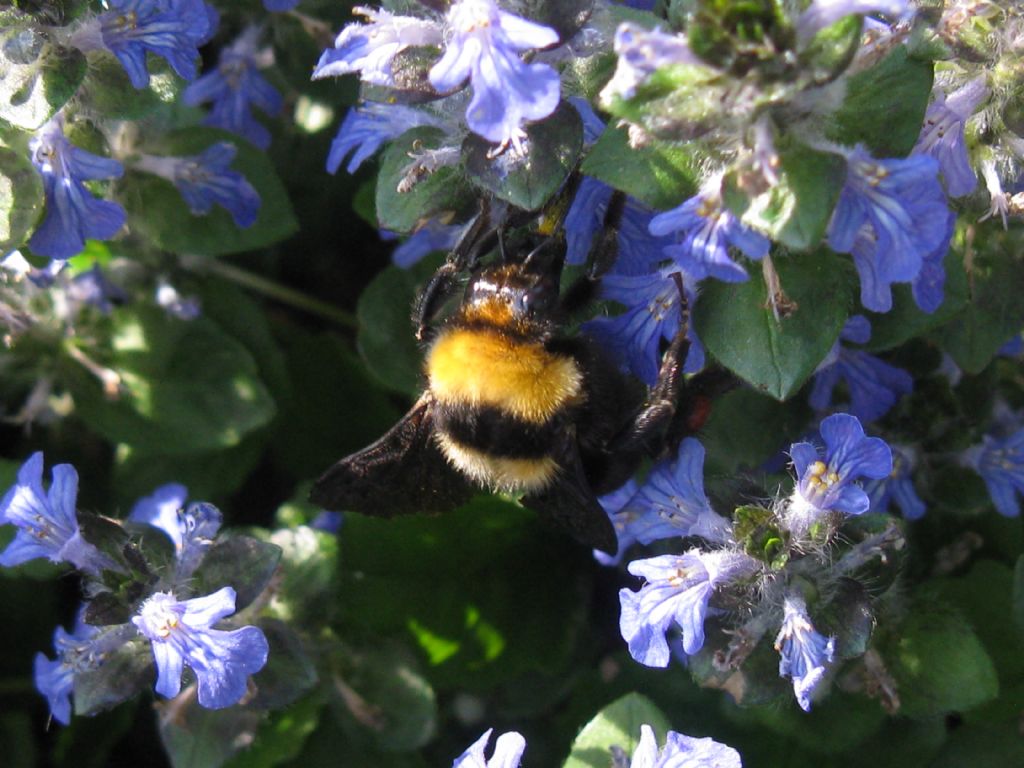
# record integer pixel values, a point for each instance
(514, 404)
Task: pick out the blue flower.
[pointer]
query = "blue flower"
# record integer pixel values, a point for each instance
(640, 53)
(327, 521)
(638, 249)
(1000, 462)
(897, 487)
(829, 484)
(900, 201)
(191, 530)
(508, 751)
(93, 288)
(671, 502)
(47, 522)
(874, 386)
(176, 304)
(182, 635)
(367, 127)
(484, 47)
(612, 503)
(72, 213)
(824, 13)
(704, 231)
(172, 29)
(942, 135)
(55, 678)
(677, 592)
(368, 49)
(207, 179)
(681, 751)
(652, 313)
(234, 87)
(805, 653)
(277, 6)
(432, 236)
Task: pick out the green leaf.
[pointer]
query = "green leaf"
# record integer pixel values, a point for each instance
(884, 105)
(657, 173)
(185, 386)
(306, 593)
(38, 76)
(744, 429)
(442, 192)
(985, 595)
(158, 211)
(827, 55)
(796, 211)
(21, 198)
(195, 737)
(397, 698)
(617, 725)
(108, 91)
(335, 406)
(386, 339)
(528, 179)
(17, 740)
(736, 324)
(126, 671)
(282, 735)
(1018, 594)
(899, 743)
(982, 746)
(241, 562)
(995, 312)
(938, 663)
(475, 626)
(289, 672)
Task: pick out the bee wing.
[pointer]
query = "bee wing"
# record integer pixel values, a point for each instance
(402, 473)
(571, 503)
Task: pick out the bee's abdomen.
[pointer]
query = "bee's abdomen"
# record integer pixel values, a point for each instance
(501, 404)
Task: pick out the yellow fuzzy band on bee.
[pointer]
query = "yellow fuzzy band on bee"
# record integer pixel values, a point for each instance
(497, 472)
(478, 367)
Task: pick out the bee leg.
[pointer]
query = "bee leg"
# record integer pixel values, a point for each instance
(478, 234)
(602, 258)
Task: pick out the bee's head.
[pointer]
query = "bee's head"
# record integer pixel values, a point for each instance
(520, 292)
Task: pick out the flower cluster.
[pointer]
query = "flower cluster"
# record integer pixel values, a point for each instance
(178, 628)
(753, 572)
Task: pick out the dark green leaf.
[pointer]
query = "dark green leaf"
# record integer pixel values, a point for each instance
(185, 386)
(306, 593)
(736, 324)
(17, 743)
(474, 625)
(884, 105)
(982, 746)
(441, 192)
(529, 178)
(659, 174)
(566, 17)
(195, 737)
(796, 211)
(21, 198)
(617, 725)
(109, 92)
(995, 312)
(157, 209)
(829, 52)
(38, 76)
(335, 407)
(282, 735)
(746, 429)
(386, 339)
(848, 617)
(289, 672)
(125, 672)
(398, 703)
(938, 663)
(899, 743)
(241, 562)
(1018, 594)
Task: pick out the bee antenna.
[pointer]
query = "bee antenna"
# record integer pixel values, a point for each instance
(533, 258)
